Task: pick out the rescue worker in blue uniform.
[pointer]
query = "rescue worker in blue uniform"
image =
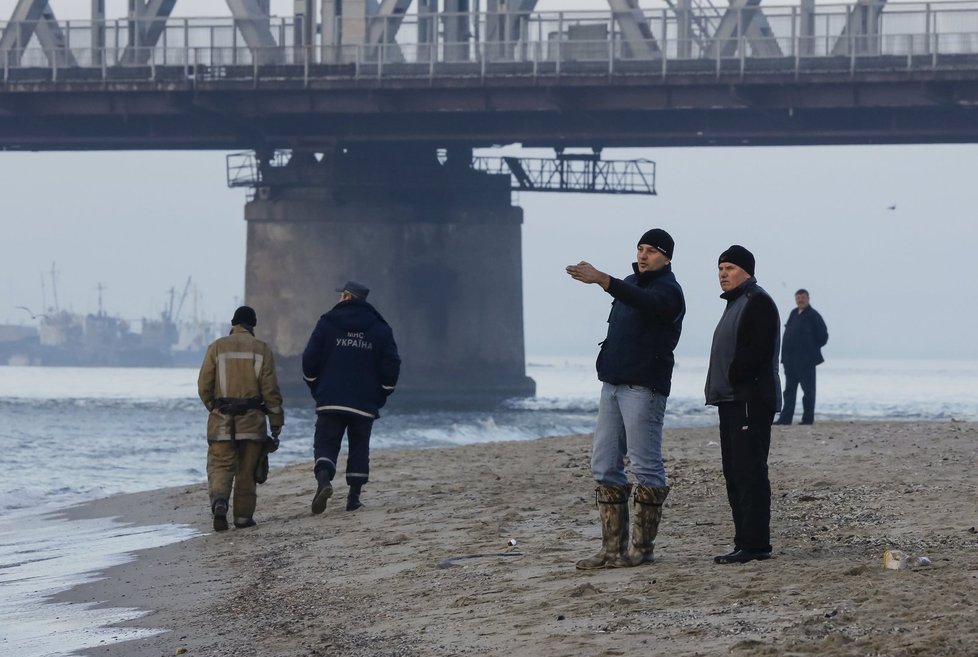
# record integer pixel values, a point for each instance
(351, 365)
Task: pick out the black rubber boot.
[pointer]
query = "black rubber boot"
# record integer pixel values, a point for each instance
(353, 499)
(220, 511)
(323, 492)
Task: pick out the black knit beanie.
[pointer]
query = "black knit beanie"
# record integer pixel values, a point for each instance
(738, 255)
(245, 315)
(660, 240)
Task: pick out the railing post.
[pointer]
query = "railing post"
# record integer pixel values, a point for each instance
(196, 65)
(105, 65)
(716, 49)
(665, 41)
(560, 39)
(852, 55)
(305, 66)
(481, 45)
(937, 48)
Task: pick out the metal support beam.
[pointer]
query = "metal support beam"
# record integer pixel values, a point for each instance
(146, 24)
(861, 34)
(636, 35)
(744, 18)
(34, 18)
(506, 22)
(305, 23)
(98, 32)
(52, 39)
(806, 28)
(252, 20)
(456, 30)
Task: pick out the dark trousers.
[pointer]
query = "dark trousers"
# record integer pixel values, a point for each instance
(329, 436)
(745, 439)
(793, 377)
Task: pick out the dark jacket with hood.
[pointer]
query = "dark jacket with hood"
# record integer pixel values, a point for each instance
(744, 356)
(804, 336)
(351, 362)
(644, 326)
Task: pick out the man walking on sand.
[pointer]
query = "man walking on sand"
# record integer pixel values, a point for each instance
(239, 388)
(635, 367)
(351, 365)
(801, 352)
(742, 382)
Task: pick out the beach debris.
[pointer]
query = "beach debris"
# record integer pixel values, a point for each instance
(900, 560)
(181, 651)
(450, 561)
(511, 542)
(583, 590)
(972, 530)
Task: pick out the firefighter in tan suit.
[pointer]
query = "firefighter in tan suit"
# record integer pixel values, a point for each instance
(239, 387)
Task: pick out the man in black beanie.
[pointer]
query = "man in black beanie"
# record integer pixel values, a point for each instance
(239, 388)
(635, 367)
(742, 382)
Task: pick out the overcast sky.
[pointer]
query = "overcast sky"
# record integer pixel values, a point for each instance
(889, 282)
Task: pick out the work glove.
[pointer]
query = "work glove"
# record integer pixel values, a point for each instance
(273, 442)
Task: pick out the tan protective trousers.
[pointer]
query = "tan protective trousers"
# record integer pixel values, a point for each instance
(234, 464)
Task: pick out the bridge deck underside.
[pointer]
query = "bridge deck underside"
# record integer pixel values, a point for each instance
(724, 102)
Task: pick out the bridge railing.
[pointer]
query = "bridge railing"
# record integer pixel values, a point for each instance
(770, 39)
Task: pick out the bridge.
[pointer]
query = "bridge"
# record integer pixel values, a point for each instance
(381, 106)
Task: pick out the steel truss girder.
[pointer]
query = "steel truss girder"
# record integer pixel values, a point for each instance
(149, 21)
(861, 31)
(635, 31)
(744, 18)
(35, 18)
(253, 21)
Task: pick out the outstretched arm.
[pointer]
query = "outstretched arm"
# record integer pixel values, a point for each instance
(586, 273)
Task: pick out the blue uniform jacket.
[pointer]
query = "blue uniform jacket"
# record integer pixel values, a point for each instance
(351, 362)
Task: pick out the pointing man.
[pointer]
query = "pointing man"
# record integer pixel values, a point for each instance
(635, 367)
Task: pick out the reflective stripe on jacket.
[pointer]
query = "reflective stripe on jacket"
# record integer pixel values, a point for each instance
(240, 366)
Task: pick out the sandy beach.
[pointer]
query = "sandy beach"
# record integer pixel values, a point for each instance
(397, 577)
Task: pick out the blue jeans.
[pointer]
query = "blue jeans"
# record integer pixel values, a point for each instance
(629, 423)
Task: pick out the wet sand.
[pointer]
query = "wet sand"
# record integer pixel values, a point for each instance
(369, 582)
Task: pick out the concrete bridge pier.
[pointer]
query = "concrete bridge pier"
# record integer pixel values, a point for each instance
(438, 244)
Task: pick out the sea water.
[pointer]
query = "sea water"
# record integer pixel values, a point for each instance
(69, 435)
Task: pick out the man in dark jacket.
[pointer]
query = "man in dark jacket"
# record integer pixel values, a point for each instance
(801, 351)
(635, 367)
(351, 365)
(742, 382)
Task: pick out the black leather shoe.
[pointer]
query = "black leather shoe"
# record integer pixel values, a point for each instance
(244, 524)
(353, 503)
(783, 423)
(741, 556)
